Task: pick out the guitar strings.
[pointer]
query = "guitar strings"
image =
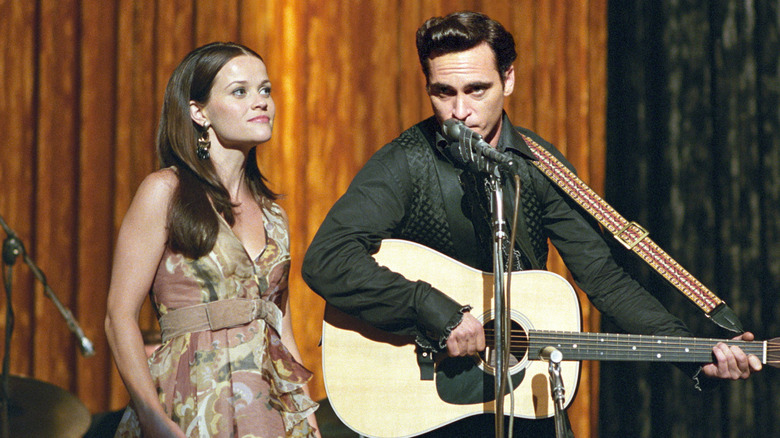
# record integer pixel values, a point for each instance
(667, 347)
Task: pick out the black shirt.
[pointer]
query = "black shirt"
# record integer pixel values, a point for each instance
(384, 201)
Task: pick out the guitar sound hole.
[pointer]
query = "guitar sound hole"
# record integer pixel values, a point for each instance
(518, 344)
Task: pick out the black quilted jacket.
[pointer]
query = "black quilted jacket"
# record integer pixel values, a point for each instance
(410, 189)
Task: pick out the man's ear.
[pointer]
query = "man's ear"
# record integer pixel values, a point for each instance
(198, 113)
(509, 80)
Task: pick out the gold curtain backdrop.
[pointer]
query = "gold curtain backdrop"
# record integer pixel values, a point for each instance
(82, 88)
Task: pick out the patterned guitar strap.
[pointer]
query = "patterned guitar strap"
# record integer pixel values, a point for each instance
(634, 238)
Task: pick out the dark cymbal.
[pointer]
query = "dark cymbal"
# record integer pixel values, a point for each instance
(40, 409)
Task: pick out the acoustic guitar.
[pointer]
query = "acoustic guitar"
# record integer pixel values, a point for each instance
(381, 385)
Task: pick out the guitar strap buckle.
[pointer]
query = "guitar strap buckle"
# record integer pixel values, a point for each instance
(425, 362)
(631, 234)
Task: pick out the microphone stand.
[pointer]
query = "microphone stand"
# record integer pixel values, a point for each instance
(500, 315)
(12, 248)
(480, 156)
(85, 345)
(554, 356)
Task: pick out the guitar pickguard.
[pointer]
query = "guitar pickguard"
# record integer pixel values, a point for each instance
(461, 381)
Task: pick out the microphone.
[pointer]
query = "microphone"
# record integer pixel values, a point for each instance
(472, 148)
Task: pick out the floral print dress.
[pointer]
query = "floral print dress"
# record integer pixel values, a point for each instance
(232, 382)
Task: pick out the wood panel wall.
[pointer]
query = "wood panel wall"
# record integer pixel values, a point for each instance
(82, 87)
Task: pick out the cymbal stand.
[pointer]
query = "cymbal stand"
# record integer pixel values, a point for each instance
(12, 248)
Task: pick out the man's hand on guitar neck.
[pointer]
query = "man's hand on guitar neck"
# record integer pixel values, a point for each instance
(467, 338)
(731, 362)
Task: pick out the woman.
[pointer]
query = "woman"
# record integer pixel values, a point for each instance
(204, 235)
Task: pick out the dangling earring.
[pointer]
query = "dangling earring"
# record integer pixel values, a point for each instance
(204, 143)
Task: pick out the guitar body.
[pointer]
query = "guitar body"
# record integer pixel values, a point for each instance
(373, 378)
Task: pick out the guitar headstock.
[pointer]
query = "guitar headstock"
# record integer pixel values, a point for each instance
(773, 352)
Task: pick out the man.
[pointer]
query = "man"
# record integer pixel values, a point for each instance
(414, 189)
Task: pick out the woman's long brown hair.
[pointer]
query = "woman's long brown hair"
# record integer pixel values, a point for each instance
(192, 223)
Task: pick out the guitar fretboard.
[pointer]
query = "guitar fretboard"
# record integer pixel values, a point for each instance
(624, 347)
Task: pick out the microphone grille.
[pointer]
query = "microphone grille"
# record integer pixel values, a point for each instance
(451, 128)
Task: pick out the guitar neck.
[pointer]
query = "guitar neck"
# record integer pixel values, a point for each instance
(624, 347)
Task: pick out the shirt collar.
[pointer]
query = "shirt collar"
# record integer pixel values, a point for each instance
(511, 140)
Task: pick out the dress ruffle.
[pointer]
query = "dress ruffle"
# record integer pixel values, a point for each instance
(287, 378)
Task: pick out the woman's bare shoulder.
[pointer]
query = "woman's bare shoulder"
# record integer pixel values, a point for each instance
(158, 187)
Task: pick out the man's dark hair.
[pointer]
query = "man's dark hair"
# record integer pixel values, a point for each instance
(461, 31)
